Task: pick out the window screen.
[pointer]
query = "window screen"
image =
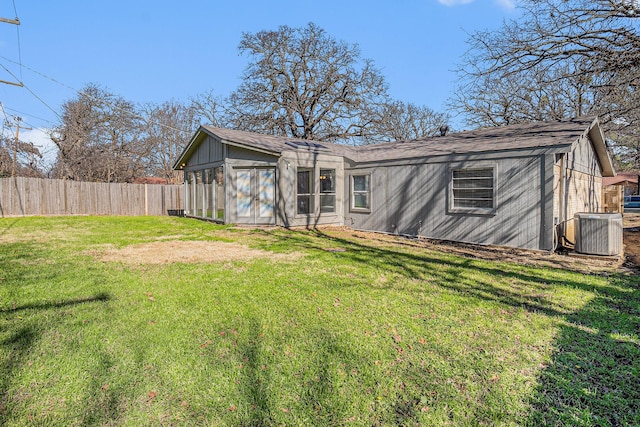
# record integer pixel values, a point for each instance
(473, 189)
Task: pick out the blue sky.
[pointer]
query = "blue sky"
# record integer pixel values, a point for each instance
(154, 51)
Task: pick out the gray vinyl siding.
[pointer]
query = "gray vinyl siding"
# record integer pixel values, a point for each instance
(238, 153)
(208, 152)
(414, 200)
(410, 189)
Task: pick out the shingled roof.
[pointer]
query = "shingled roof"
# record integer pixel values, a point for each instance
(560, 135)
(513, 137)
(277, 144)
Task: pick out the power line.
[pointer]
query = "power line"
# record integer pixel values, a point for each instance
(32, 92)
(6, 118)
(26, 114)
(18, 36)
(83, 94)
(39, 73)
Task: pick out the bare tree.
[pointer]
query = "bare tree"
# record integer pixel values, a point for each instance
(19, 158)
(208, 109)
(600, 35)
(532, 95)
(302, 83)
(99, 138)
(399, 121)
(563, 58)
(168, 128)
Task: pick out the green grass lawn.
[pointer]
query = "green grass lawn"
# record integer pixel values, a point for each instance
(379, 333)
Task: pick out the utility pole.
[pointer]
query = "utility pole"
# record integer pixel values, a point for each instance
(15, 145)
(14, 22)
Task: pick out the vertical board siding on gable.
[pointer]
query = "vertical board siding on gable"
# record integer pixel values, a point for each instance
(413, 200)
(584, 159)
(209, 151)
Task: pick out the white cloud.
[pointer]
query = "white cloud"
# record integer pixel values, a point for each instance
(507, 4)
(40, 138)
(454, 2)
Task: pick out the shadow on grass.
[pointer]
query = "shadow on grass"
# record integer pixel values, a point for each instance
(595, 369)
(105, 402)
(5, 230)
(254, 383)
(26, 323)
(525, 289)
(101, 296)
(17, 348)
(593, 376)
(316, 395)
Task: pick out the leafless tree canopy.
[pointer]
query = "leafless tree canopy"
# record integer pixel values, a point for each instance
(208, 109)
(104, 138)
(534, 95)
(599, 36)
(563, 58)
(99, 138)
(573, 47)
(299, 82)
(398, 121)
(167, 130)
(303, 83)
(19, 158)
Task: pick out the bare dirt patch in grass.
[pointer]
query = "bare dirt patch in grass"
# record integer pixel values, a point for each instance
(168, 252)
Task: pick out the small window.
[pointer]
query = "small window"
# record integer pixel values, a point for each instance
(473, 190)
(361, 193)
(199, 195)
(327, 190)
(189, 190)
(219, 193)
(208, 193)
(305, 191)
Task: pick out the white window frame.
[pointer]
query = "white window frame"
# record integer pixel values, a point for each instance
(461, 185)
(353, 192)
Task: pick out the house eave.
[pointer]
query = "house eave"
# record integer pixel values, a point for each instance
(465, 156)
(600, 147)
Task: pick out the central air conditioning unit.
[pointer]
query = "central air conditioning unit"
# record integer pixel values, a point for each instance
(598, 233)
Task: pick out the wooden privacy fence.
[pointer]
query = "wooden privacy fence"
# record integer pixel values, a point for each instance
(612, 198)
(36, 196)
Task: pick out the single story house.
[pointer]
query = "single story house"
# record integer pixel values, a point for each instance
(510, 186)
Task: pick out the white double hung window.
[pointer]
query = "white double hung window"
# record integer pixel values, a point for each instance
(361, 193)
